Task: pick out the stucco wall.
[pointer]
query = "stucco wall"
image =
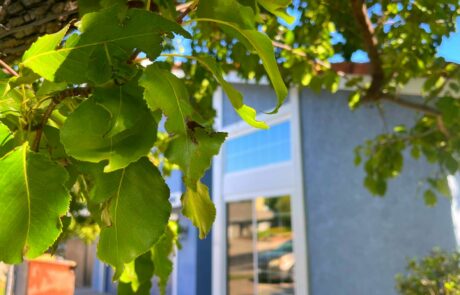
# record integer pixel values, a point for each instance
(357, 243)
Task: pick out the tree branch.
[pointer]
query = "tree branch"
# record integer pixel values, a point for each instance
(361, 16)
(412, 105)
(56, 100)
(8, 69)
(378, 96)
(39, 22)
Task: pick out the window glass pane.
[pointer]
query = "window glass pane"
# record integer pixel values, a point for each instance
(240, 259)
(259, 148)
(275, 257)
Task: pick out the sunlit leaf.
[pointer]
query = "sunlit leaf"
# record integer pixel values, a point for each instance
(32, 200)
(118, 128)
(198, 207)
(138, 211)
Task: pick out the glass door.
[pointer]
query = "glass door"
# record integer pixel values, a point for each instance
(260, 257)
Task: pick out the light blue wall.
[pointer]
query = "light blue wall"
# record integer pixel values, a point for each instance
(357, 243)
(174, 182)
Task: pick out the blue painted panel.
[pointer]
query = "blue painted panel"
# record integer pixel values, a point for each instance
(259, 148)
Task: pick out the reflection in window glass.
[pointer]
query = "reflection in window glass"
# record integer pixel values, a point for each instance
(260, 247)
(240, 248)
(275, 257)
(258, 148)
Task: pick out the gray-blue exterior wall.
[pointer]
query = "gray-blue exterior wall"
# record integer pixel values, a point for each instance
(357, 243)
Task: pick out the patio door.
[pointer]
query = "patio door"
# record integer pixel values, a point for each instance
(260, 257)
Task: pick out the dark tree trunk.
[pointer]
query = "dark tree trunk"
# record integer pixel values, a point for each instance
(23, 21)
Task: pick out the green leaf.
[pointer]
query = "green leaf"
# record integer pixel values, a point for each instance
(253, 40)
(193, 152)
(247, 113)
(165, 91)
(10, 100)
(161, 261)
(87, 6)
(43, 47)
(278, 8)
(5, 134)
(430, 198)
(32, 200)
(449, 108)
(53, 143)
(228, 10)
(103, 30)
(377, 186)
(138, 210)
(118, 128)
(354, 99)
(8, 141)
(137, 276)
(198, 207)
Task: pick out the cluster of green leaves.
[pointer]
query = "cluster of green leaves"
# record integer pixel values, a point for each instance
(437, 274)
(88, 134)
(406, 34)
(384, 158)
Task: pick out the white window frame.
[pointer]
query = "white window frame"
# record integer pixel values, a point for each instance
(292, 185)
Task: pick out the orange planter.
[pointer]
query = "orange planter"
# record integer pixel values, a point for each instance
(50, 277)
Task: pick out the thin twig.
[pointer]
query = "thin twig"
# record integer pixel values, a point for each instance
(133, 56)
(8, 69)
(57, 99)
(185, 11)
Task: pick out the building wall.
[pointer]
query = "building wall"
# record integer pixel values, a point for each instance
(357, 243)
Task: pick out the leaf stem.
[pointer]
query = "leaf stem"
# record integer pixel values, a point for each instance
(56, 100)
(8, 69)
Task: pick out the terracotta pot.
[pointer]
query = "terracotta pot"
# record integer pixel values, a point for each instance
(50, 277)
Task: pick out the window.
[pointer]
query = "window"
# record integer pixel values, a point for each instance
(259, 148)
(253, 242)
(260, 256)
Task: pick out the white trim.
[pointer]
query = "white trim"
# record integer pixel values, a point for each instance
(255, 182)
(298, 208)
(175, 272)
(219, 236)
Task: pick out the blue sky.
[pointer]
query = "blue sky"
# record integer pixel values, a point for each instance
(450, 47)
